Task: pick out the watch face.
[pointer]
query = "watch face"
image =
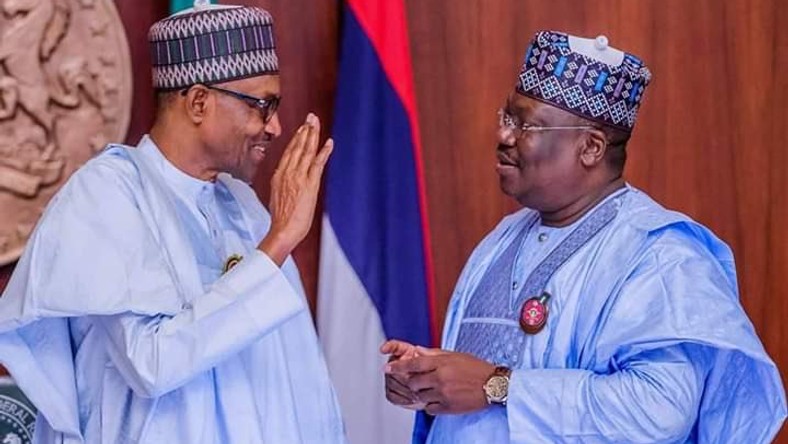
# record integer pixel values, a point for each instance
(496, 388)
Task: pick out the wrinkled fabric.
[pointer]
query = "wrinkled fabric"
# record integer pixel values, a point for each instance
(120, 327)
(646, 341)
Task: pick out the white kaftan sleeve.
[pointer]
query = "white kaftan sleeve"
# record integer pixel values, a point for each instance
(156, 354)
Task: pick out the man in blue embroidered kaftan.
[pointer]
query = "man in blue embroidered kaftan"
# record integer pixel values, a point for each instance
(593, 315)
(125, 320)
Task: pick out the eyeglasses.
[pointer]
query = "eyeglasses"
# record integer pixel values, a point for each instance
(507, 122)
(266, 107)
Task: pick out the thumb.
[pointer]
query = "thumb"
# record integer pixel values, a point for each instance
(395, 347)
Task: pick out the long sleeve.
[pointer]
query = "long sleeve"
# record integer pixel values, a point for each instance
(95, 254)
(652, 398)
(646, 346)
(121, 328)
(156, 354)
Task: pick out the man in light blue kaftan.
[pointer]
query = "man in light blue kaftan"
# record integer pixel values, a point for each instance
(593, 315)
(156, 301)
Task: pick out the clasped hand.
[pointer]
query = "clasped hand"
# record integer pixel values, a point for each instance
(437, 381)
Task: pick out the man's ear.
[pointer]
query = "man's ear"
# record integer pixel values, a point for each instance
(197, 103)
(594, 147)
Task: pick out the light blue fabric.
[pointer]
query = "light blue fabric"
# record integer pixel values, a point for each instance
(646, 341)
(119, 328)
(491, 324)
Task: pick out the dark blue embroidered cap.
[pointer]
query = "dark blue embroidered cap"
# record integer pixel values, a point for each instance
(586, 77)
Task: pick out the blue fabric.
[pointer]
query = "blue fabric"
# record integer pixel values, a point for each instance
(117, 324)
(372, 191)
(646, 342)
(421, 427)
(491, 327)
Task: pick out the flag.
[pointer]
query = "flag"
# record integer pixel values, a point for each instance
(375, 277)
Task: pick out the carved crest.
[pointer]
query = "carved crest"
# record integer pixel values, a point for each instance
(65, 91)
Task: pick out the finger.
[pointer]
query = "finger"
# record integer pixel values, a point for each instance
(422, 381)
(423, 351)
(310, 144)
(401, 393)
(420, 364)
(391, 346)
(292, 148)
(319, 164)
(388, 347)
(405, 394)
(301, 157)
(400, 385)
(395, 347)
(298, 145)
(398, 399)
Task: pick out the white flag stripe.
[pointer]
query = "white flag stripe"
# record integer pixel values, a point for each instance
(351, 333)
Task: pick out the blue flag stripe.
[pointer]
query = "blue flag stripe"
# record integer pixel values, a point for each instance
(372, 190)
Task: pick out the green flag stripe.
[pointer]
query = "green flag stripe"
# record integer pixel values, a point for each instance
(180, 5)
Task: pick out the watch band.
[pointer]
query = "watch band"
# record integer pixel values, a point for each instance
(502, 371)
(496, 388)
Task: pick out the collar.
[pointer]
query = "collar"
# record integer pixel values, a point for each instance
(185, 185)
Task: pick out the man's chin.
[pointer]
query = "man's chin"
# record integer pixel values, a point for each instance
(247, 178)
(507, 186)
(513, 190)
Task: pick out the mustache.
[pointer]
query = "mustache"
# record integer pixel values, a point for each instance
(504, 150)
(267, 138)
(502, 154)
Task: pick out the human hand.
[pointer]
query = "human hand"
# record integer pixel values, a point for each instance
(398, 349)
(397, 391)
(447, 382)
(294, 189)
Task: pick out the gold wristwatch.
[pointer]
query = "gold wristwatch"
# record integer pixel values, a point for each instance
(496, 389)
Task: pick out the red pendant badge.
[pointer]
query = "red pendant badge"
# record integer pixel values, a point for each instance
(533, 315)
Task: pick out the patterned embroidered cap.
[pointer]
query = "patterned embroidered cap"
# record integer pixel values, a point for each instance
(211, 44)
(585, 77)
